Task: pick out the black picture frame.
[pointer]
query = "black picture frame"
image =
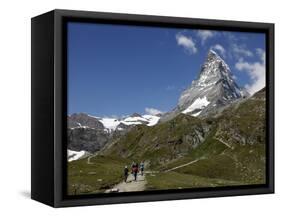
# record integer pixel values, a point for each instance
(49, 103)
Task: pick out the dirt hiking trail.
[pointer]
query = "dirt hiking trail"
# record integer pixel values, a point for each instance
(130, 185)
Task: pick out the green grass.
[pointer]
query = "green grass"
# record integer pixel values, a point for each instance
(243, 123)
(243, 164)
(220, 166)
(174, 180)
(101, 174)
(250, 163)
(210, 147)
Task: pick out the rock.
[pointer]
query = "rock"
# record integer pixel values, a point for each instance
(87, 139)
(84, 120)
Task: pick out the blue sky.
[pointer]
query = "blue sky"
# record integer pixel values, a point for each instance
(116, 70)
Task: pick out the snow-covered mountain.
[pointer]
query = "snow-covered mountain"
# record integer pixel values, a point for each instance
(83, 120)
(214, 88)
(88, 134)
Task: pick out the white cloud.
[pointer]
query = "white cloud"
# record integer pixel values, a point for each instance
(205, 34)
(256, 71)
(261, 54)
(230, 36)
(241, 51)
(187, 43)
(219, 48)
(152, 111)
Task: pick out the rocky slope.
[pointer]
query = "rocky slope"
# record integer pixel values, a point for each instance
(86, 139)
(244, 122)
(162, 142)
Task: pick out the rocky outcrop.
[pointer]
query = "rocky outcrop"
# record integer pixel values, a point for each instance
(83, 120)
(86, 139)
(86, 133)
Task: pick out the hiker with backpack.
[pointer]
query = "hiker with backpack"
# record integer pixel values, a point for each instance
(135, 170)
(132, 166)
(142, 167)
(126, 173)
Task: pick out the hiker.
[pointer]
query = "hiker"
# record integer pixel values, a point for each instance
(132, 167)
(135, 170)
(126, 173)
(142, 167)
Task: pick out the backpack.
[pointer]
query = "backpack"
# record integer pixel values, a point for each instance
(135, 169)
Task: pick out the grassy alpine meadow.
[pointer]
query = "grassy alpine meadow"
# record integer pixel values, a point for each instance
(177, 180)
(94, 174)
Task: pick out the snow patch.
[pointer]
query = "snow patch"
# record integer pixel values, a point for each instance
(199, 103)
(134, 119)
(131, 122)
(75, 155)
(196, 114)
(153, 120)
(109, 123)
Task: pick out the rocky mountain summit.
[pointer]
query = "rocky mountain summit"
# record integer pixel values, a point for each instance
(214, 88)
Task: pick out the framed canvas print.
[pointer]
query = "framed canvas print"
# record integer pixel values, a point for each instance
(133, 108)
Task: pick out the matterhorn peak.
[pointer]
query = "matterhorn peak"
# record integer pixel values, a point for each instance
(215, 87)
(213, 70)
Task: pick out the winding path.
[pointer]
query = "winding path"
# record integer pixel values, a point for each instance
(183, 165)
(223, 142)
(130, 185)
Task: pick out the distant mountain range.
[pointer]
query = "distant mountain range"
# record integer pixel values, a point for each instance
(90, 133)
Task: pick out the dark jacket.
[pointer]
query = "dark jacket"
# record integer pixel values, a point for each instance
(126, 171)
